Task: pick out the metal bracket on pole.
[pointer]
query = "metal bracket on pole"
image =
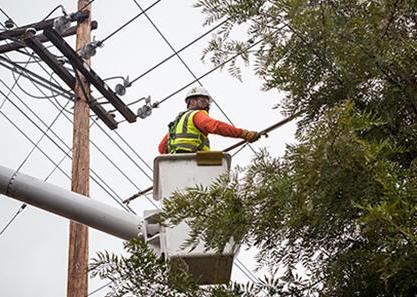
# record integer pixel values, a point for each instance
(89, 74)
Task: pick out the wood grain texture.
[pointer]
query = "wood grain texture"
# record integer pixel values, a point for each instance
(77, 285)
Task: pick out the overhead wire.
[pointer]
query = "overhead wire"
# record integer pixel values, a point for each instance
(86, 5)
(31, 141)
(173, 55)
(24, 162)
(205, 74)
(54, 96)
(95, 177)
(121, 204)
(179, 57)
(19, 211)
(53, 10)
(177, 52)
(127, 23)
(75, 72)
(87, 98)
(99, 125)
(48, 84)
(13, 86)
(119, 148)
(242, 267)
(7, 16)
(99, 288)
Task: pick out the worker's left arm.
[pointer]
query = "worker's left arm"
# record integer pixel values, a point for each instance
(208, 125)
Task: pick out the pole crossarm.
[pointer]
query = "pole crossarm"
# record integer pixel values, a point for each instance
(42, 38)
(89, 74)
(15, 33)
(36, 45)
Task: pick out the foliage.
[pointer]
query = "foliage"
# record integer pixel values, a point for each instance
(323, 52)
(142, 273)
(335, 202)
(342, 202)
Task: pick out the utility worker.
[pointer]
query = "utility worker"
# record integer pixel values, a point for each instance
(188, 132)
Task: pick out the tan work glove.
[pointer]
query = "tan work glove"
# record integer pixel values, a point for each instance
(250, 136)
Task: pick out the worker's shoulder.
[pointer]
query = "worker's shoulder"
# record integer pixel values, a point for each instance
(200, 112)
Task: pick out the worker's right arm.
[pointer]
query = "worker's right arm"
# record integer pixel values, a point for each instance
(163, 145)
(208, 125)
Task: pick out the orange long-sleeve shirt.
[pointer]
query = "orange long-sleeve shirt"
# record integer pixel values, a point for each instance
(206, 125)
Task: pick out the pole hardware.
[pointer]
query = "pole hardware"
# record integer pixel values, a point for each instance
(90, 49)
(89, 74)
(120, 89)
(146, 109)
(18, 45)
(18, 32)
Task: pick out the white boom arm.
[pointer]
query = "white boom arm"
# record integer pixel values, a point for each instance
(68, 204)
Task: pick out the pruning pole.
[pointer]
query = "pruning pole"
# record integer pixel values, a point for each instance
(263, 132)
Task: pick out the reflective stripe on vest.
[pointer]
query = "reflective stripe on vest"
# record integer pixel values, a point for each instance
(186, 136)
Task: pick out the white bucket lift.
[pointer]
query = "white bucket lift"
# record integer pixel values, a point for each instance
(176, 173)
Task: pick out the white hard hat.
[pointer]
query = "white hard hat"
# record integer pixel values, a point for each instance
(198, 91)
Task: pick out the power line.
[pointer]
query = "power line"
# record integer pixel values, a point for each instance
(118, 146)
(177, 52)
(172, 48)
(99, 288)
(127, 23)
(40, 139)
(88, 3)
(94, 174)
(21, 208)
(14, 85)
(53, 10)
(7, 16)
(30, 140)
(205, 74)
(179, 57)
(134, 151)
(240, 267)
(95, 177)
(35, 96)
(249, 274)
(37, 78)
(23, 163)
(56, 166)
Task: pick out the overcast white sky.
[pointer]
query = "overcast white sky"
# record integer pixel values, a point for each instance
(33, 250)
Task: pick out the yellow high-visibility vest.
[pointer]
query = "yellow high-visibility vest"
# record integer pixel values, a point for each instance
(184, 136)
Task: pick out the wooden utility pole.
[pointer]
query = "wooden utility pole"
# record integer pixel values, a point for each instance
(78, 238)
